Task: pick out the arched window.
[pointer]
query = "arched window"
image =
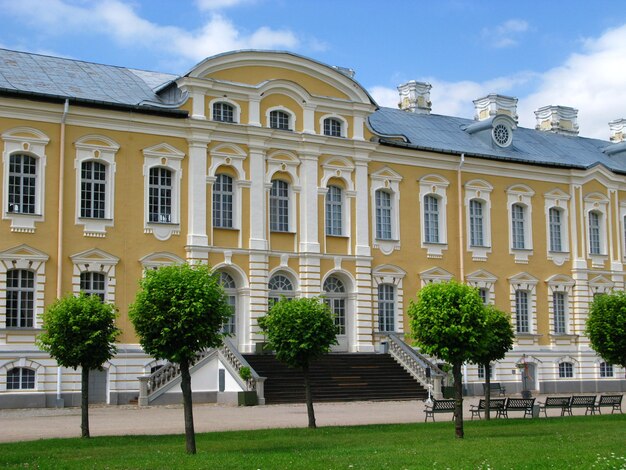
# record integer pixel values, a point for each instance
(279, 286)
(22, 184)
(431, 219)
(223, 112)
(386, 307)
(335, 297)
(279, 206)
(333, 127)
(595, 243)
(160, 195)
(334, 200)
(383, 215)
(92, 190)
(518, 226)
(20, 378)
(230, 289)
(279, 120)
(477, 223)
(20, 303)
(223, 201)
(556, 229)
(92, 283)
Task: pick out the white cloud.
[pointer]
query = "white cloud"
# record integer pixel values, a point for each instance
(506, 34)
(219, 4)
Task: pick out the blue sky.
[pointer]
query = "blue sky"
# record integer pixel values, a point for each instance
(562, 53)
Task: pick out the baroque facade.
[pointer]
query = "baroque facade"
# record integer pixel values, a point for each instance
(285, 175)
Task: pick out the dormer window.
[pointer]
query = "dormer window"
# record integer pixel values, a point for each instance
(502, 135)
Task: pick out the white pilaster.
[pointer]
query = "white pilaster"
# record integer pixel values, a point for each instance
(254, 111)
(258, 238)
(258, 294)
(362, 209)
(196, 196)
(309, 242)
(198, 104)
(357, 131)
(364, 320)
(308, 124)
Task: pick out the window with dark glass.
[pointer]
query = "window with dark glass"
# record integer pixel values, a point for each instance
(518, 226)
(279, 286)
(20, 378)
(595, 246)
(223, 202)
(566, 370)
(160, 195)
(431, 219)
(556, 229)
(332, 127)
(558, 306)
(223, 112)
(230, 289)
(477, 226)
(521, 311)
(279, 120)
(334, 211)
(279, 206)
(22, 184)
(335, 298)
(92, 283)
(383, 215)
(386, 307)
(20, 303)
(93, 190)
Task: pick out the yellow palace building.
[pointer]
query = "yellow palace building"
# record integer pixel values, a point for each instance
(285, 175)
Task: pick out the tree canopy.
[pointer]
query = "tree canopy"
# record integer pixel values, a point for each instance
(606, 327)
(300, 330)
(80, 331)
(179, 311)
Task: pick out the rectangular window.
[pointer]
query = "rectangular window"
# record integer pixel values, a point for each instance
(521, 311)
(481, 371)
(92, 190)
(558, 306)
(332, 127)
(518, 223)
(223, 112)
(160, 195)
(484, 295)
(20, 303)
(476, 223)
(555, 217)
(338, 307)
(223, 201)
(279, 206)
(21, 378)
(386, 307)
(431, 219)
(333, 211)
(606, 370)
(279, 120)
(383, 215)
(595, 247)
(92, 283)
(230, 326)
(22, 184)
(566, 370)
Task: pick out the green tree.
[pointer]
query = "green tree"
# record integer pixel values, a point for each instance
(178, 312)
(606, 327)
(448, 321)
(300, 330)
(80, 332)
(496, 341)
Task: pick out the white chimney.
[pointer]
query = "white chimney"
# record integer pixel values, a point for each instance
(494, 104)
(618, 130)
(558, 119)
(415, 97)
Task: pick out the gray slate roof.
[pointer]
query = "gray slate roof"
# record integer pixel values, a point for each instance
(22, 72)
(446, 134)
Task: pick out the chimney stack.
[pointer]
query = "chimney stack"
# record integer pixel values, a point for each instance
(494, 104)
(557, 119)
(415, 97)
(618, 130)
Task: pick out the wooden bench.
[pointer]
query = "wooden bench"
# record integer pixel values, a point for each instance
(609, 401)
(582, 401)
(517, 404)
(440, 406)
(561, 403)
(495, 387)
(495, 404)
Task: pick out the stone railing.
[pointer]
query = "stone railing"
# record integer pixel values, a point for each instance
(424, 371)
(232, 357)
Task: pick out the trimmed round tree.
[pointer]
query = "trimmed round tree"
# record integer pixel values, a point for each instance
(606, 327)
(179, 311)
(300, 330)
(448, 321)
(80, 332)
(497, 340)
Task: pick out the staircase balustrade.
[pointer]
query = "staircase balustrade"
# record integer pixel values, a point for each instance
(427, 373)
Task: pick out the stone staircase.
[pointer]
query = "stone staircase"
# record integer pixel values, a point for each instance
(338, 377)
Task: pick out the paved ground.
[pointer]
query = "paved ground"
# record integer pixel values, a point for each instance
(40, 423)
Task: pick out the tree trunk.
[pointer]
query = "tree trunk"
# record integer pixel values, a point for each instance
(185, 385)
(309, 397)
(458, 396)
(84, 403)
(487, 368)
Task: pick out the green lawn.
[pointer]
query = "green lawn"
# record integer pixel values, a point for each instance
(571, 442)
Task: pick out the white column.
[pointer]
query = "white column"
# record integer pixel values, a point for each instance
(196, 196)
(362, 209)
(254, 111)
(197, 103)
(258, 240)
(309, 242)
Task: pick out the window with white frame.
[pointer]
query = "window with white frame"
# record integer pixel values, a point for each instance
(556, 229)
(280, 120)
(566, 370)
(481, 371)
(559, 308)
(522, 311)
(557, 223)
(230, 289)
(520, 222)
(336, 298)
(223, 198)
(483, 292)
(477, 223)
(606, 370)
(92, 283)
(20, 298)
(386, 307)
(279, 286)
(223, 112)
(22, 189)
(20, 378)
(383, 215)
(160, 195)
(93, 190)
(279, 206)
(431, 219)
(334, 211)
(333, 127)
(518, 226)
(595, 231)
